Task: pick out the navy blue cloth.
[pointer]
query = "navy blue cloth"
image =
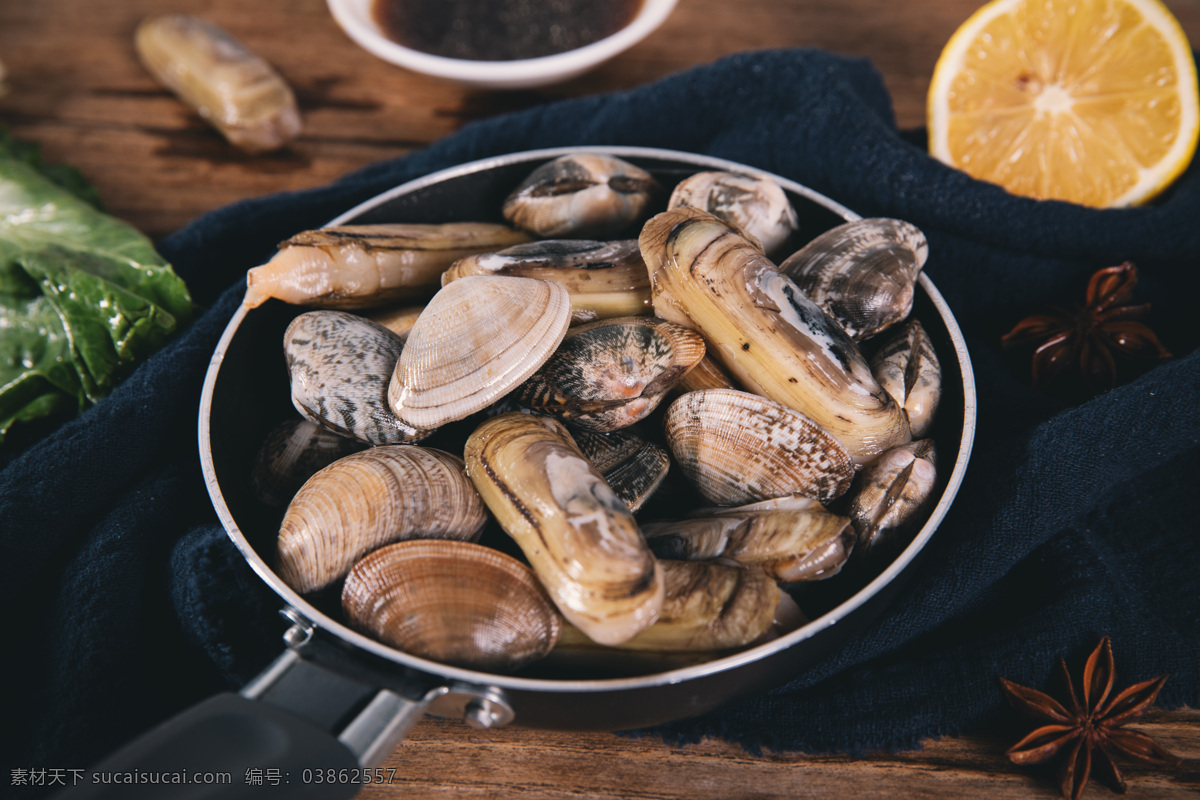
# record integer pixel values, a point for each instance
(124, 601)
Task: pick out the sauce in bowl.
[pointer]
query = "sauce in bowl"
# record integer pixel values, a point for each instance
(501, 30)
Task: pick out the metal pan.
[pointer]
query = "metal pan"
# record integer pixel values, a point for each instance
(338, 699)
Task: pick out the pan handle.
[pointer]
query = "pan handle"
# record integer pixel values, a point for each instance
(298, 730)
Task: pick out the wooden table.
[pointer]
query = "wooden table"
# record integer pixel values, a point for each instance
(77, 87)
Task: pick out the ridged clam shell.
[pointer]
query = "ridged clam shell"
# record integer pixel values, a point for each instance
(756, 206)
(790, 544)
(908, 369)
(578, 535)
(738, 448)
(339, 366)
(581, 195)
(861, 273)
(891, 492)
(611, 373)
(604, 279)
(476, 340)
(633, 467)
(453, 602)
(370, 499)
(293, 452)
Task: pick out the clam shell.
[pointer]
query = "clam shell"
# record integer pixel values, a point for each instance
(604, 279)
(397, 319)
(339, 366)
(476, 340)
(582, 196)
(609, 374)
(633, 467)
(738, 448)
(757, 206)
(453, 602)
(370, 499)
(861, 273)
(891, 492)
(577, 534)
(293, 452)
(908, 369)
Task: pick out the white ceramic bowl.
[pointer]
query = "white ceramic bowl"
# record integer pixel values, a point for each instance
(354, 16)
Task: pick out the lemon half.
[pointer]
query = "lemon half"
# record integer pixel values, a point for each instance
(1091, 101)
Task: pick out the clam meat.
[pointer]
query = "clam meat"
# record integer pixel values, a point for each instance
(892, 491)
(478, 338)
(581, 196)
(361, 266)
(738, 447)
(861, 273)
(372, 498)
(793, 543)
(761, 328)
(454, 602)
(611, 373)
(233, 89)
(756, 206)
(291, 453)
(605, 279)
(580, 538)
(633, 467)
(908, 369)
(339, 366)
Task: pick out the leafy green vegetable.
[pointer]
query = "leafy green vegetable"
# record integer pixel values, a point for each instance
(83, 296)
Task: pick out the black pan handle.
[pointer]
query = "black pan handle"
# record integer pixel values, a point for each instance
(298, 730)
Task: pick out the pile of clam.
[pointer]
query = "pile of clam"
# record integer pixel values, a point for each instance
(581, 368)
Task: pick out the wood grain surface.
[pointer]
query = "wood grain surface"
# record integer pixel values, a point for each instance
(77, 87)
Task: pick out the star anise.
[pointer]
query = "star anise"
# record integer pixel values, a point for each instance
(1091, 727)
(1087, 335)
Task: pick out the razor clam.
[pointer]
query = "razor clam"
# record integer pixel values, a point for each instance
(372, 498)
(633, 467)
(738, 447)
(790, 544)
(233, 89)
(360, 266)
(605, 279)
(480, 337)
(454, 602)
(861, 273)
(397, 319)
(908, 369)
(760, 327)
(581, 196)
(706, 606)
(292, 452)
(891, 492)
(579, 537)
(611, 373)
(339, 365)
(756, 206)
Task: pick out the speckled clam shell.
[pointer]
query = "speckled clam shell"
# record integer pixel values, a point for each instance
(580, 538)
(453, 602)
(293, 452)
(369, 499)
(476, 340)
(861, 273)
(633, 467)
(737, 448)
(339, 366)
(890, 493)
(792, 543)
(611, 373)
(604, 279)
(583, 196)
(908, 369)
(757, 206)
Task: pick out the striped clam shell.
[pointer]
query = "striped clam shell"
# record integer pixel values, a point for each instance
(758, 207)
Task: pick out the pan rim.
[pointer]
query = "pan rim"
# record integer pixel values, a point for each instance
(332, 627)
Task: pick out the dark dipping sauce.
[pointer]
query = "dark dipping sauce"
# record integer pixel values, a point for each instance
(501, 30)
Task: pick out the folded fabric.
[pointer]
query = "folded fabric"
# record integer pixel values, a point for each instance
(125, 601)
